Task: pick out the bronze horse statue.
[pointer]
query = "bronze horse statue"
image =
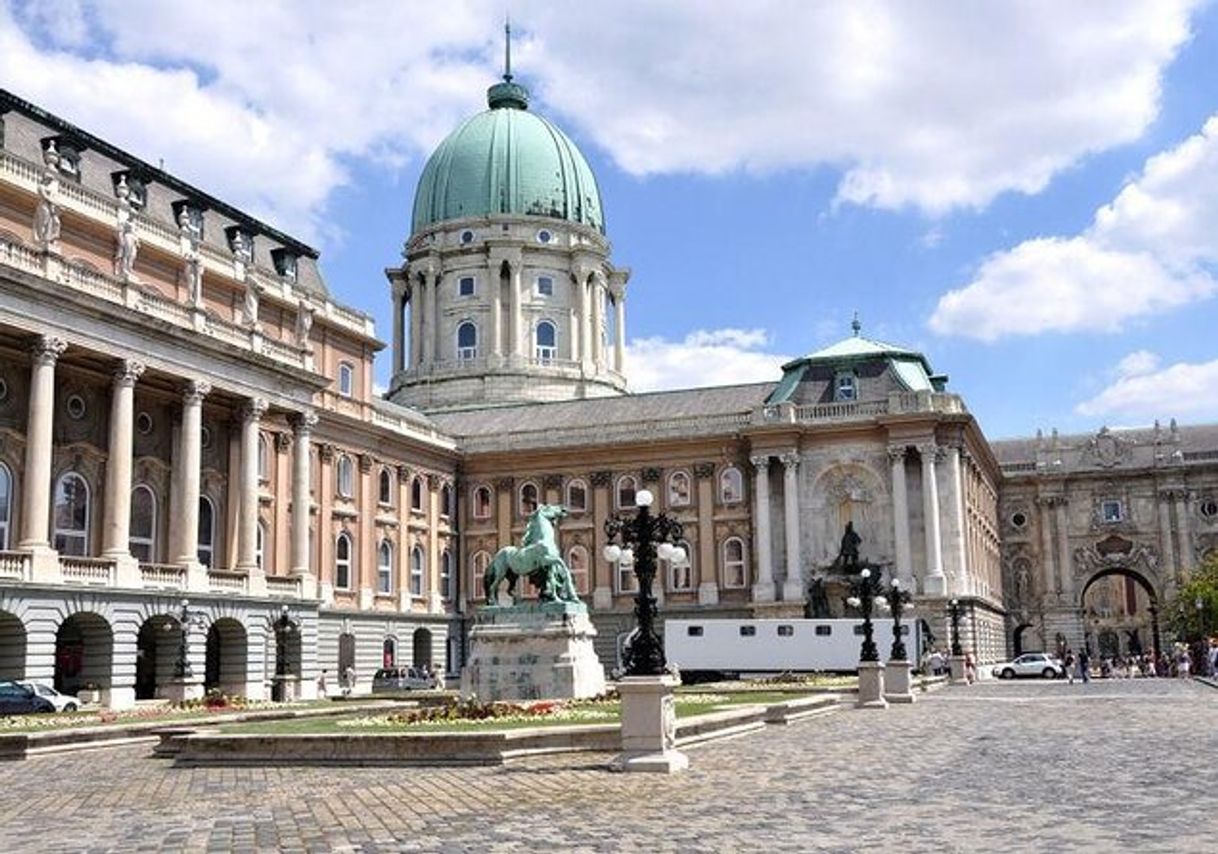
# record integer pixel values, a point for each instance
(537, 559)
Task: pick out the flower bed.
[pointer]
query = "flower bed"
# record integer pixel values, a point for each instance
(212, 702)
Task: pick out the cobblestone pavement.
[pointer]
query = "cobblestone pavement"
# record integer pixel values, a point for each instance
(1115, 766)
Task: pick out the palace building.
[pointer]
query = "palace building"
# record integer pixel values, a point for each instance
(186, 413)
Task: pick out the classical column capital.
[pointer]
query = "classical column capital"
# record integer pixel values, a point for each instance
(127, 372)
(552, 481)
(897, 453)
(790, 459)
(403, 474)
(326, 453)
(365, 463)
(931, 451)
(505, 484)
(47, 349)
(704, 471)
(761, 462)
(253, 409)
(303, 422)
(283, 441)
(195, 391)
(600, 478)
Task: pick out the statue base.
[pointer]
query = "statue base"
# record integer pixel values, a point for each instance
(649, 726)
(897, 682)
(533, 652)
(871, 686)
(956, 668)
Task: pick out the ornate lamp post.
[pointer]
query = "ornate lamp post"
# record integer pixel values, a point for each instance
(649, 719)
(283, 627)
(897, 680)
(186, 618)
(866, 597)
(956, 660)
(898, 598)
(640, 541)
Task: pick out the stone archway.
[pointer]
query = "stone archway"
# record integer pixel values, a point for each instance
(1020, 637)
(156, 655)
(421, 654)
(12, 646)
(227, 653)
(84, 653)
(1120, 613)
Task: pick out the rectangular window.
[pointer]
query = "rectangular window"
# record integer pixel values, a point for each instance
(824, 631)
(846, 389)
(1111, 511)
(694, 631)
(748, 631)
(786, 631)
(545, 286)
(465, 286)
(627, 581)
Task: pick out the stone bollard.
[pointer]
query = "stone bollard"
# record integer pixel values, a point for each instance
(956, 663)
(871, 686)
(898, 682)
(649, 726)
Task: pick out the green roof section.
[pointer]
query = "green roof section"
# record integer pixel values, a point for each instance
(507, 160)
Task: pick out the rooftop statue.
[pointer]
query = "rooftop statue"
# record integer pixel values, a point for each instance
(848, 555)
(537, 559)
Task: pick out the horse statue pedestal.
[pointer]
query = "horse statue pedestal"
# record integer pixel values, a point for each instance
(532, 651)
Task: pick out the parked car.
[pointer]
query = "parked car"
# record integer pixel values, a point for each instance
(16, 699)
(389, 680)
(62, 702)
(1030, 664)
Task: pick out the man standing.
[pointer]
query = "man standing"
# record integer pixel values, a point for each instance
(1084, 665)
(1068, 661)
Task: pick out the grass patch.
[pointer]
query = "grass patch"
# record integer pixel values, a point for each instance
(158, 715)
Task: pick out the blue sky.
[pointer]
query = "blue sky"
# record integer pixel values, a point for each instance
(935, 166)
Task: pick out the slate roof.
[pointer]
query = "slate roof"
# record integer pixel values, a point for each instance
(1199, 437)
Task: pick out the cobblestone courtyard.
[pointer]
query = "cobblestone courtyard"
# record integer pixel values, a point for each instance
(1116, 766)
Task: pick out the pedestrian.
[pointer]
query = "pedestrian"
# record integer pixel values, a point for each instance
(970, 668)
(350, 675)
(1084, 666)
(936, 663)
(1183, 665)
(322, 690)
(1068, 661)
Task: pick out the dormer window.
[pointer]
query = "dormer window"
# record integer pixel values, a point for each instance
(135, 188)
(240, 241)
(193, 216)
(845, 387)
(466, 286)
(285, 263)
(68, 162)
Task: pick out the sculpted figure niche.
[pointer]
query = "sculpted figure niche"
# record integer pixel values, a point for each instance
(46, 215)
(192, 271)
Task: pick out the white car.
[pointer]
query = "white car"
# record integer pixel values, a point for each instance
(1030, 664)
(61, 702)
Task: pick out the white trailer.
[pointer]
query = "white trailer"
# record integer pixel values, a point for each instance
(774, 646)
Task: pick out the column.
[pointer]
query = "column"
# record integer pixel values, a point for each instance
(399, 331)
(619, 335)
(1166, 546)
(438, 346)
(955, 506)
(191, 446)
(495, 286)
(36, 508)
(900, 516)
(763, 586)
(1063, 549)
(1052, 579)
(598, 319)
(708, 563)
(1185, 547)
(518, 345)
(585, 317)
(793, 587)
(117, 518)
(302, 430)
(427, 312)
(247, 518)
(416, 325)
(934, 584)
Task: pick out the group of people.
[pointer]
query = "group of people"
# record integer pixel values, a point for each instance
(936, 662)
(1181, 662)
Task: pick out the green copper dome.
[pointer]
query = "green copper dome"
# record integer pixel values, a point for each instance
(507, 161)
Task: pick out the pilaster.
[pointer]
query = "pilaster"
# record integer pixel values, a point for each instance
(763, 588)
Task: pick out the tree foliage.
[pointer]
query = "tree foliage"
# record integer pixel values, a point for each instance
(1193, 611)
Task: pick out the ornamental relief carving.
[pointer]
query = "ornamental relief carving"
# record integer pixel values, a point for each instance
(1116, 552)
(1106, 450)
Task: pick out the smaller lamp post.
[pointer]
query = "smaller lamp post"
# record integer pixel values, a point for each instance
(865, 597)
(185, 618)
(897, 680)
(283, 626)
(956, 660)
(649, 720)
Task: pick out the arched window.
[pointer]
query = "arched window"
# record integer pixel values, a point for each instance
(207, 530)
(528, 498)
(385, 488)
(72, 515)
(678, 489)
(416, 494)
(627, 486)
(384, 567)
(577, 496)
(467, 341)
(482, 502)
(6, 504)
(260, 546)
(389, 652)
(547, 338)
(346, 379)
(577, 562)
(446, 575)
(731, 486)
(342, 562)
(264, 464)
(478, 563)
(679, 575)
(418, 563)
(345, 474)
(446, 498)
(735, 570)
(142, 527)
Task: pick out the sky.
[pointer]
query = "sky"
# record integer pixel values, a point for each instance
(1026, 192)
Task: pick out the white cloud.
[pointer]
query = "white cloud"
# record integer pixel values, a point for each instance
(702, 358)
(1182, 389)
(1149, 251)
(940, 106)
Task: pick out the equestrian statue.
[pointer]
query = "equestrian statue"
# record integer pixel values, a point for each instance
(537, 559)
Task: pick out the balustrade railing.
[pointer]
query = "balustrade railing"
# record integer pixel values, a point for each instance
(15, 566)
(228, 582)
(87, 570)
(163, 575)
(286, 586)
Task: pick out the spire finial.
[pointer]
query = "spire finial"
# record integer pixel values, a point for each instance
(855, 325)
(507, 49)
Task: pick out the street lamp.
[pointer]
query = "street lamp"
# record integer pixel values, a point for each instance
(953, 611)
(640, 541)
(898, 598)
(186, 618)
(865, 597)
(283, 626)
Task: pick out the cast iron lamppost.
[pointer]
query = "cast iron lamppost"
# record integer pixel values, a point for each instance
(283, 627)
(866, 597)
(186, 618)
(953, 611)
(640, 541)
(897, 600)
